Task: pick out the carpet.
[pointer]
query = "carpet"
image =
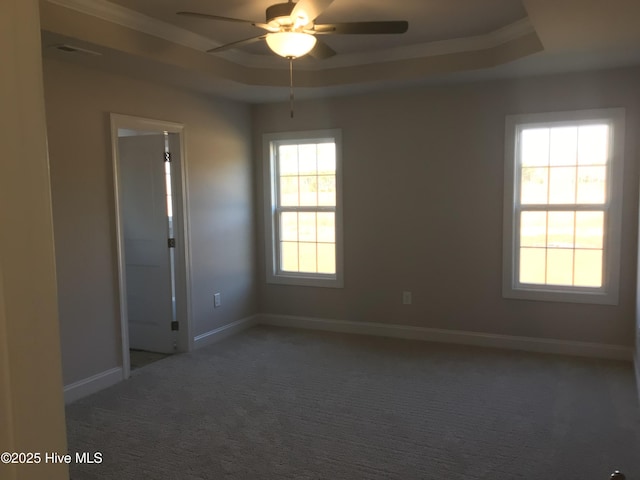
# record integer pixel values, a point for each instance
(142, 358)
(276, 403)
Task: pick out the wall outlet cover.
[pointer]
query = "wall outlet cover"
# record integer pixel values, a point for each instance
(406, 298)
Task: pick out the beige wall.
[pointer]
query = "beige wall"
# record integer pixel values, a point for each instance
(31, 404)
(423, 186)
(220, 199)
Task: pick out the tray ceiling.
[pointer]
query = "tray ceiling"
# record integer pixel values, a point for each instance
(447, 39)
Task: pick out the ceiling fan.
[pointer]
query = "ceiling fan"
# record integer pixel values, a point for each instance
(291, 29)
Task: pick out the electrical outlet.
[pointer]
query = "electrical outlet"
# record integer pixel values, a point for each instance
(216, 300)
(406, 298)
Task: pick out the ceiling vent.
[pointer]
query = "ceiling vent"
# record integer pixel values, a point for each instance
(73, 49)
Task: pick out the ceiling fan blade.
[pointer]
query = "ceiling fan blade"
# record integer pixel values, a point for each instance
(362, 28)
(321, 50)
(307, 11)
(239, 43)
(225, 19)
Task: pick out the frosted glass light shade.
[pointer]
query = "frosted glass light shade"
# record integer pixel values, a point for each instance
(291, 44)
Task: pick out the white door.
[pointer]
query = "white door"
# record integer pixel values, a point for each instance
(146, 250)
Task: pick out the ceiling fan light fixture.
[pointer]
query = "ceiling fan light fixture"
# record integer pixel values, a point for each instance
(291, 44)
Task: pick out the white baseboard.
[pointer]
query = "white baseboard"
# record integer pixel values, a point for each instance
(531, 344)
(100, 381)
(95, 383)
(92, 384)
(223, 332)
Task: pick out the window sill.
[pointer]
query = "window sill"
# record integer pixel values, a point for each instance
(330, 281)
(565, 296)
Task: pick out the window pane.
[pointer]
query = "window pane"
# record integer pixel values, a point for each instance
(307, 226)
(307, 159)
(593, 145)
(289, 256)
(564, 146)
(532, 265)
(309, 191)
(588, 270)
(591, 184)
(167, 179)
(289, 226)
(288, 191)
(563, 169)
(535, 147)
(533, 229)
(288, 155)
(170, 207)
(326, 227)
(326, 158)
(561, 229)
(302, 221)
(534, 186)
(589, 229)
(326, 258)
(307, 257)
(562, 185)
(559, 267)
(327, 190)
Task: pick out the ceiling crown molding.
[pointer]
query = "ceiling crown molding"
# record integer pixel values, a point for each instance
(503, 35)
(126, 17)
(134, 20)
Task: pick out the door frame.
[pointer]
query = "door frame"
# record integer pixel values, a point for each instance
(181, 230)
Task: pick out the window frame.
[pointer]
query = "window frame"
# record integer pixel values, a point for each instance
(274, 275)
(512, 288)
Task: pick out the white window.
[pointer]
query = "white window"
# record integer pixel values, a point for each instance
(303, 208)
(562, 206)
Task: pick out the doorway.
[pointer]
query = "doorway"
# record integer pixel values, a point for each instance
(148, 163)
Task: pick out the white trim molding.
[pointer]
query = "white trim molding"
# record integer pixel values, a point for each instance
(182, 228)
(225, 331)
(129, 18)
(100, 381)
(274, 207)
(501, 36)
(94, 383)
(511, 342)
(108, 378)
(610, 208)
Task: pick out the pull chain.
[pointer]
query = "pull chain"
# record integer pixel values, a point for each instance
(291, 85)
